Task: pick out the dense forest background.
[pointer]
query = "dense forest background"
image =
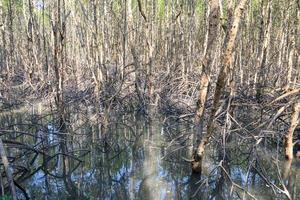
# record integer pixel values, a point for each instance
(147, 51)
(224, 66)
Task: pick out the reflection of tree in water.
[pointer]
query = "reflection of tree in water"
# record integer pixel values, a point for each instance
(136, 160)
(152, 186)
(246, 172)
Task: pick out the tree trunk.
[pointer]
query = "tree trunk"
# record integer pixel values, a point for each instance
(289, 136)
(266, 25)
(221, 81)
(207, 64)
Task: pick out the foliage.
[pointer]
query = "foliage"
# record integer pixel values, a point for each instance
(161, 9)
(17, 5)
(200, 8)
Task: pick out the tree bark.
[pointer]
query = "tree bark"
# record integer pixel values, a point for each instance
(289, 136)
(214, 16)
(266, 25)
(220, 85)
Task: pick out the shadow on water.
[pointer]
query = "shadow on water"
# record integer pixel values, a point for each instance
(135, 159)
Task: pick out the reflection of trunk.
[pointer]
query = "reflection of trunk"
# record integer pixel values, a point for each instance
(289, 176)
(152, 183)
(217, 192)
(195, 192)
(8, 171)
(147, 186)
(65, 159)
(292, 184)
(44, 140)
(71, 188)
(220, 183)
(221, 81)
(47, 186)
(289, 136)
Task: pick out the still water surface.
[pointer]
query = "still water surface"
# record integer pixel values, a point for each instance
(139, 159)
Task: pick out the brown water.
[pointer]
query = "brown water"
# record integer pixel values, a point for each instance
(135, 158)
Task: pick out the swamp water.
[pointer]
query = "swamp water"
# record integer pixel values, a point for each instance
(136, 159)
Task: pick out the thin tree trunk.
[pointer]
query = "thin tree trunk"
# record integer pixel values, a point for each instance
(265, 39)
(207, 64)
(30, 67)
(221, 81)
(10, 69)
(289, 136)
(3, 52)
(137, 70)
(290, 55)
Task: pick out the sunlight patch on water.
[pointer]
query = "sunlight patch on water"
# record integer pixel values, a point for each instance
(153, 185)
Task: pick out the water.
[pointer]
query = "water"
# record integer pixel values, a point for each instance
(135, 158)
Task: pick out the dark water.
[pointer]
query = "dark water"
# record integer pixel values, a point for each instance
(134, 158)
